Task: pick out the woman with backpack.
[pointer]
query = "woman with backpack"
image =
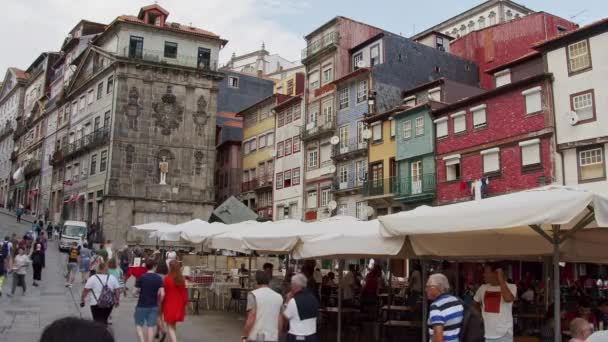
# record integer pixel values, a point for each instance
(38, 262)
(102, 293)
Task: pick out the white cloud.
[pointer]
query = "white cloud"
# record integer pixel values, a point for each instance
(35, 26)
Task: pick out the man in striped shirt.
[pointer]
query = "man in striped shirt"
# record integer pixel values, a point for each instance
(446, 312)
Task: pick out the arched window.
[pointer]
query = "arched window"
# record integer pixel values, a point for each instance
(509, 15)
(517, 16)
(463, 30)
(492, 17)
(455, 32)
(482, 22)
(471, 26)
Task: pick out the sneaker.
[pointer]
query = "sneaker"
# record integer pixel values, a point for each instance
(67, 284)
(70, 286)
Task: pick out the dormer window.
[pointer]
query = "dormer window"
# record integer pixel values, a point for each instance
(502, 77)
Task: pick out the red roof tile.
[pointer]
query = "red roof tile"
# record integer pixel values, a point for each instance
(169, 26)
(20, 73)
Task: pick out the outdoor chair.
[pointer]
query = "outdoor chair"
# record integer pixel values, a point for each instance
(193, 300)
(238, 298)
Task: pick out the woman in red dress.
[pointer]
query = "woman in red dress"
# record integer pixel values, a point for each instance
(175, 299)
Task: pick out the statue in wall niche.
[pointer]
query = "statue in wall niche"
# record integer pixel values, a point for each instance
(163, 166)
(133, 108)
(168, 113)
(201, 116)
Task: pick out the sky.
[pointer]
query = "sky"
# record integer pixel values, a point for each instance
(34, 26)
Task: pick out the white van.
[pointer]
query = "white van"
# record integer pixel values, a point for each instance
(72, 231)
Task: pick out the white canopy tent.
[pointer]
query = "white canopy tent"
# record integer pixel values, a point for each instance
(154, 226)
(508, 226)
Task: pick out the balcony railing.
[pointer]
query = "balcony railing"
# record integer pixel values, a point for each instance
(351, 184)
(318, 129)
(256, 183)
(31, 168)
(327, 40)
(349, 149)
(414, 188)
(159, 57)
(84, 144)
(380, 187)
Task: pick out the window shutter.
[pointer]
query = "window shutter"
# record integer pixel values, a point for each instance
(377, 132)
(460, 124)
(393, 128)
(479, 117)
(533, 100)
(491, 161)
(530, 152)
(442, 128)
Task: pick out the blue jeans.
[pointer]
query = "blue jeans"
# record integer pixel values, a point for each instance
(146, 317)
(506, 338)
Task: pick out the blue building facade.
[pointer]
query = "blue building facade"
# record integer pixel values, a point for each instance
(238, 91)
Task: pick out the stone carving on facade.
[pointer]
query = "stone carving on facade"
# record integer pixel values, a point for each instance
(133, 108)
(198, 162)
(114, 186)
(201, 116)
(168, 113)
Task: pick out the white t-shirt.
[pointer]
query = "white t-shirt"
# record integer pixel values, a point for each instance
(497, 314)
(298, 327)
(267, 304)
(600, 336)
(96, 284)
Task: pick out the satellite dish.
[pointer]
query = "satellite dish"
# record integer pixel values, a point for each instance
(572, 118)
(273, 153)
(332, 205)
(370, 211)
(335, 140)
(332, 169)
(367, 134)
(361, 64)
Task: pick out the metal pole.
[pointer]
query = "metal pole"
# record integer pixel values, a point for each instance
(556, 289)
(249, 273)
(423, 265)
(340, 271)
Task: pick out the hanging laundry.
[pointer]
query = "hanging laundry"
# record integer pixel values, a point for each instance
(484, 187)
(477, 190)
(463, 185)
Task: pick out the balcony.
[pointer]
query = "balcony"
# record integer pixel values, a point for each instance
(249, 185)
(159, 57)
(82, 145)
(315, 130)
(32, 168)
(380, 187)
(264, 183)
(420, 189)
(350, 149)
(350, 187)
(325, 42)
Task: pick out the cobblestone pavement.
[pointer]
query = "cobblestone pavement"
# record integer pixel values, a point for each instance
(23, 317)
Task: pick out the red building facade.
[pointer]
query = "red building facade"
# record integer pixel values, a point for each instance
(499, 44)
(503, 135)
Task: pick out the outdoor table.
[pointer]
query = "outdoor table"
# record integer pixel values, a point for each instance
(387, 309)
(135, 271)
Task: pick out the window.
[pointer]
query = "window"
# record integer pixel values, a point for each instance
(374, 55)
(91, 96)
(280, 149)
(471, 26)
(343, 174)
(288, 116)
(377, 131)
(419, 126)
(82, 103)
(312, 115)
(460, 122)
(99, 90)
(435, 94)
(296, 112)
(233, 82)
(533, 100)
(530, 153)
(288, 147)
(361, 92)
(270, 139)
(296, 144)
(439, 43)
(262, 139)
(281, 119)
(295, 173)
(479, 116)
(311, 199)
(325, 197)
(452, 168)
(103, 161)
(410, 101)
(361, 210)
(170, 50)
(342, 209)
(287, 179)
(482, 22)
(203, 59)
(361, 172)
(279, 180)
(327, 74)
(492, 17)
(313, 159)
(110, 84)
(407, 129)
(491, 161)
(93, 164)
(106, 119)
(502, 77)
(584, 105)
(360, 129)
(357, 60)
(96, 123)
(509, 15)
(136, 47)
(343, 98)
(343, 135)
(591, 164)
(313, 80)
(290, 87)
(328, 111)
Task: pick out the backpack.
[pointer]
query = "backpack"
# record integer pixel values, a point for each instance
(472, 329)
(4, 252)
(106, 297)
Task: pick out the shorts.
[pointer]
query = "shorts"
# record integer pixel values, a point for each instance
(84, 265)
(146, 316)
(72, 267)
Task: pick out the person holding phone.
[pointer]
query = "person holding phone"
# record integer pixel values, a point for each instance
(494, 300)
